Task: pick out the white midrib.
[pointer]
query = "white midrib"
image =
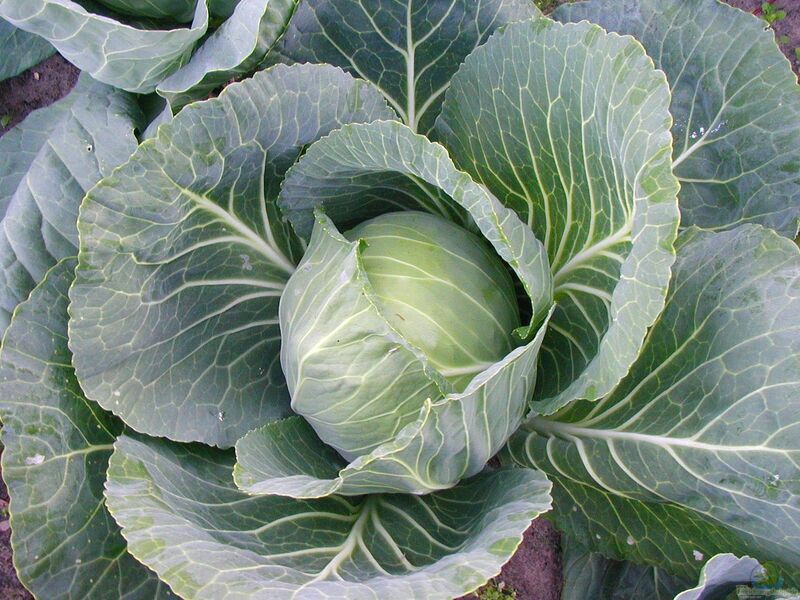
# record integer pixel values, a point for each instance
(346, 548)
(252, 238)
(558, 429)
(411, 84)
(619, 236)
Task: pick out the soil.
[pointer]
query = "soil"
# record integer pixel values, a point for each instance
(38, 86)
(10, 587)
(534, 572)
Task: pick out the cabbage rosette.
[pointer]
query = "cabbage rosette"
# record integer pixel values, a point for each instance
(362, 375)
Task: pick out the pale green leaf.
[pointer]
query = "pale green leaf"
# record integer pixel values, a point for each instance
(721, 575)
(366, 170)
(184, 518)
(432, 440)
(706, 426)
(20, 50)
(47, 163)
(184, 258)
(353, 174)
(133, 56)
(56, 448)
(735, 101)
(569, 126)
(237, 48)
(409, 49)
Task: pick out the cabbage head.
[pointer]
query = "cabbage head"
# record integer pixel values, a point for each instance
(434, 270)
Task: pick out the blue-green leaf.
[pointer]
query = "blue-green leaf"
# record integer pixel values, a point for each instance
(409, 49)
(735, 101)
(56, 448)
(184, 257)
(183, 517)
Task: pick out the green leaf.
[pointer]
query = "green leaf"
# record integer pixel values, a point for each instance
(47, 163)
(184, 518)
(736, 105)
(365, 170)
(409, 49)
(569, 126)
(703, 429)
(57, 445)
(237, 48)
(353, 174)
(591, 575)
(721, 575)
(452, 436)
(20, 50)
(133, 56)
(184, 258)
(177, 10)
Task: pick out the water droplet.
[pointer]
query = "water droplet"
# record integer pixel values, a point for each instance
(36, 459)
(597, 535)
(78, 561)
(630, 540)
(117, 393)
(394, 349)
(574, 509)
(221, 416)
(698, 555)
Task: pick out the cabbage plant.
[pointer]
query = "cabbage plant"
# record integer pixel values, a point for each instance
(270, 350)
(183, 49)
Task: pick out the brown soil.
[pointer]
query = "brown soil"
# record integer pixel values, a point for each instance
(535, 570)
(788, 27)
(10, 587)
(38, 86)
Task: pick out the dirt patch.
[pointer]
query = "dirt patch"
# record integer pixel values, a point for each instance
(787, 29)
(10, 587)
(534, 572)
(37, 87)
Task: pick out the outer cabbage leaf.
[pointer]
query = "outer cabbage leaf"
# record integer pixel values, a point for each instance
(57, 445)
(590, 575)
(735, 101)
(721, 575)
(47, 163)
(239, 45)
(184, 257)
(134, 57)
(409, 49)
(569, 126)
(696, 451)
(20, 50)
(184, 518)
